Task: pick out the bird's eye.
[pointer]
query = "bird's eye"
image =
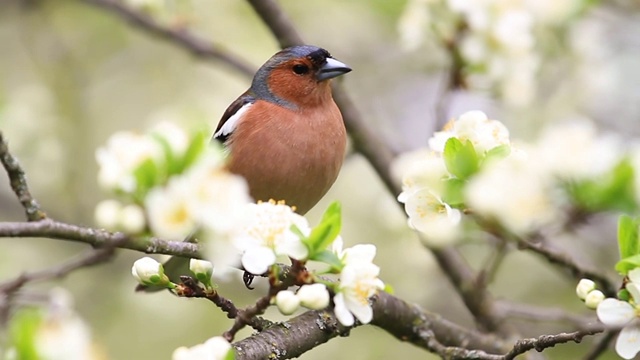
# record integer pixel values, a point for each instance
(300, 69)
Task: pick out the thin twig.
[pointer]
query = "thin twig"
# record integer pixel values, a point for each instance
(194, 44)
(511, 310)
(97, 238)
(18, 181)
(191, 289)
(568, 262)
(546, 341)
(602, 345)
(9, 288)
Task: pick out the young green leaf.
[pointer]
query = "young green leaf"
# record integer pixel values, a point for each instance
(628, 236)
(147, 175)
(198, 144)
(627, 264)
(611, 191)
(329, 258)
(497, 153)
(324, 233)
(172, 163)
(23, 329)
(460, 158)
(454, 192)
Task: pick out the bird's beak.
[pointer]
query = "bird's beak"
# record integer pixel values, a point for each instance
(331, 69)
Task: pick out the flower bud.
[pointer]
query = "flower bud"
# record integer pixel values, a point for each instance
(593, 299)
(149, 272)
(202, 270)
(584, 287)
(287, 302)
(314, 296)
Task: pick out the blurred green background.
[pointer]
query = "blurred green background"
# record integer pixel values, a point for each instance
(72, 74)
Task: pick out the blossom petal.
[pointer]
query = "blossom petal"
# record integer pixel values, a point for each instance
(634, 289)
(257, 260)
(293, 248)
(614, 312)
(362, 312)
(342, 313)
(361, 253)
(634, 275)
(628, 343)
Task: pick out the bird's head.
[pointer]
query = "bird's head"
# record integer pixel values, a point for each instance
(297, 76)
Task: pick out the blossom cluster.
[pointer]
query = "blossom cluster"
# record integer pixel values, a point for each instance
(55, 332)
(174, 185)
(473, 167)
(496, 40)
(621, 312)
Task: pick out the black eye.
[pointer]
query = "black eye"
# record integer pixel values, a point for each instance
(300, 69)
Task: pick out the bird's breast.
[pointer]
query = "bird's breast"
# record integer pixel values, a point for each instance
(289, 155)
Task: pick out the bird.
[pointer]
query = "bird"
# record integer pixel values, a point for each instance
(285, 135)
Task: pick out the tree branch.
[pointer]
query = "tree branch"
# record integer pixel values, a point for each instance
(566, 261)
(404, 321)
(194, 44)
(9, 288)
(97, 238)
(18, 181)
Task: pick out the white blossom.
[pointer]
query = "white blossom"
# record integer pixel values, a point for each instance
(123, 153)
(514, 193)
(617, 313)
(268, 234)
(432, 217)
(574, 151)
(63, 335)
(169, 209)
(420, 169)
(217, 199)
(175, 136)
(358, 283)
(475, 126)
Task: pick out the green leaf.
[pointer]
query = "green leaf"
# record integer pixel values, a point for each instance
(231, 355)
(147, 175)
(23, 328)
(623, 295)
(324, 233)
(627, 264)
(454, 192)
(197, 146)
(388, 289)
(328, 258)
(628, 236)
(172, 163)
(611, 191)
(460, 158)
(497, 153)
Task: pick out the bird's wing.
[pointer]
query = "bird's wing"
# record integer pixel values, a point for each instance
(231, 117)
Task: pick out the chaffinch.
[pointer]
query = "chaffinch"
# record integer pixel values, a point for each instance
(285, 134)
